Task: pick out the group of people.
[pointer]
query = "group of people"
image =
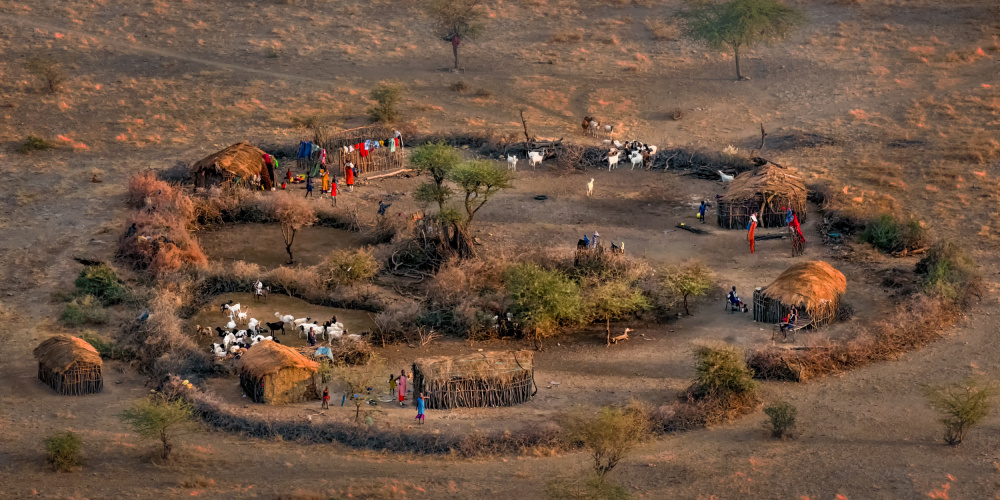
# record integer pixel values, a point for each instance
(398, 386)
(329, 184)
(586, 243)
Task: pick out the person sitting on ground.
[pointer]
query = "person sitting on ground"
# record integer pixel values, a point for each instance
(734, 299)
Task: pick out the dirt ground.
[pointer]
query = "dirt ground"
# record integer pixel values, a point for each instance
(890, 104)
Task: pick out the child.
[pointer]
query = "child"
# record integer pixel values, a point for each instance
(401, 384)
(701, 211)
(326, 398)
(392, 383)
(420, 409)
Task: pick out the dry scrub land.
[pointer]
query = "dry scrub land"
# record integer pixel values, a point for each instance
(890, 105)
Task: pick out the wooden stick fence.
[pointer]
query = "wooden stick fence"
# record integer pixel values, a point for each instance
(474, 392)
(77, 380)
(376, 160)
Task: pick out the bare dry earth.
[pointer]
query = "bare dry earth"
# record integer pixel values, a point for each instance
(906, 93)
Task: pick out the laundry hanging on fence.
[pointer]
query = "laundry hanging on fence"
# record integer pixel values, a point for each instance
(305, 149)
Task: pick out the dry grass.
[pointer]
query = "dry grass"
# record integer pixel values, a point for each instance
(566, 36)
(666, 31)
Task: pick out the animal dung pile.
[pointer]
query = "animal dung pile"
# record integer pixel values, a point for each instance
(271, 373)
(814, 288)
(69, 365)
(764, 190)
(482, 379)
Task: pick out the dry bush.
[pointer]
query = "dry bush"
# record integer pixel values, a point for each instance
(160, 244)
(147, 192)
(351, 352)
(981, 148)
(483, 93)
(950, 274)
(220, 205)
(348, 267)
(64, 451)
(676, 114)
(566, 37)
(295, 282)
(607, 265)
(394, 324)
(610, 435)
(664, 30)
(459, 86)
(159, 343)
(569, 157)
(458, 280)
(390, 228)
(48, 69)
(962, 405)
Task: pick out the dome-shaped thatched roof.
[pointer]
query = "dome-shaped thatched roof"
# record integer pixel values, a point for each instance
(815, 285)
(242, 159)
(267, 357)
(61, 352)
(769, 181)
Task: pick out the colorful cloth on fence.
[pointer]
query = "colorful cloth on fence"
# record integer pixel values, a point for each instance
(322, 157)
(305, 149)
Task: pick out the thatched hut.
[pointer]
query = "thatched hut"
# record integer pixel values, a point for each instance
(70, 365)
(814, 288)
(764, 190)
(271, 373)
(235, 165)
(501, 378)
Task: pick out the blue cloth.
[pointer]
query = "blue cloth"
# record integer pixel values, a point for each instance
(788, 217)
(701, 210)
(586, 240)
(420, 406)
(305, 149)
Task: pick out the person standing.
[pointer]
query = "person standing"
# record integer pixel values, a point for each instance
(326, 181)
(333, 190)
(420, 409)
(753, 229)
(701, 211)
(392, 384)
(326, 398)
(349, 176)
(312, 338)
(309, 186)
(401, 386)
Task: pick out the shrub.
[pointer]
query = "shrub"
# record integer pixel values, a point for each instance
(361, 383)
(565, 37)
(722, 371)
(676, 114)
(542, 300)
(690, 279)
(64, 451)
(106, 348)
(949, 273)
(293, 213)
(48, 69)
(159, 343)
(483, 93)
(781, 419)
(609, 435)
(459, 86)
(85, 310)
(346, 267)
(387, 98)
(102, 282)
(33, 143)
(394, 324)
(962, 405)
(890, 235)
(157, 417)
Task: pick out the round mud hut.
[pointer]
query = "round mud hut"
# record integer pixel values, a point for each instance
(274, 374)
(764, 190)
(814, 288)
(500, 378)
(70, 366)
(233, 166)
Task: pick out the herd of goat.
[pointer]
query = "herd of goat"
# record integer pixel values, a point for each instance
(235, 340)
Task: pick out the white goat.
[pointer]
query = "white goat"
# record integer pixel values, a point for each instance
(636, 159)
(288, 318)
(252, 325)
(242, 315)
(613, 160)
(534, 158)
(725, 178)
(231, 325)
(652, 150)
(305, 327)
(299, 321)
(512, 163)
(608, 130)
(218, 350)
(590, 187)
(231, 309)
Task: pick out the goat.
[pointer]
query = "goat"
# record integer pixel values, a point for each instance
(619, 249)
(586, 123)
(218, 351)
(228, 340)
(203, 330)
(613, 160)
(651, 149)
(636, 159)
(535, 158)
(231, 308)
(725, 178)
(608, 130)
(220, 331)
(512, 163)
(252, 325)
(590, 187)
(231, 325)
(277, 325)
(299, 321)
(288, 318)
(305, 327)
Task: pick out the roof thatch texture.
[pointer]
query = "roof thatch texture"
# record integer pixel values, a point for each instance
(815, 285)
(494, 365)
(241, 159)
(267, 357)
(769, 181)
(61, 352)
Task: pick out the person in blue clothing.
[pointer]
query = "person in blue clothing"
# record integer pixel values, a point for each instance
(309, 186)
(420, 409)
(701, 211)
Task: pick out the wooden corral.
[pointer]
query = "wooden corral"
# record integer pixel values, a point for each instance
(70, 366)
(271, 373)
(764, 190)
(502, 378)
(385, 157)
(234, 166)
(813, 288)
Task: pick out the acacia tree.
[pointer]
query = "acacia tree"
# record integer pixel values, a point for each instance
(479, 180)
(739, 24)
(457, 21)
(158, 417)
(689, 279)
(360, 382)
(436, 159)
(292, 213)
(614, 299)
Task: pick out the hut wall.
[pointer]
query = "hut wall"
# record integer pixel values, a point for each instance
(77, 380)
(288, 385)
(768, 310)
(736, 214)
(474, 392)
